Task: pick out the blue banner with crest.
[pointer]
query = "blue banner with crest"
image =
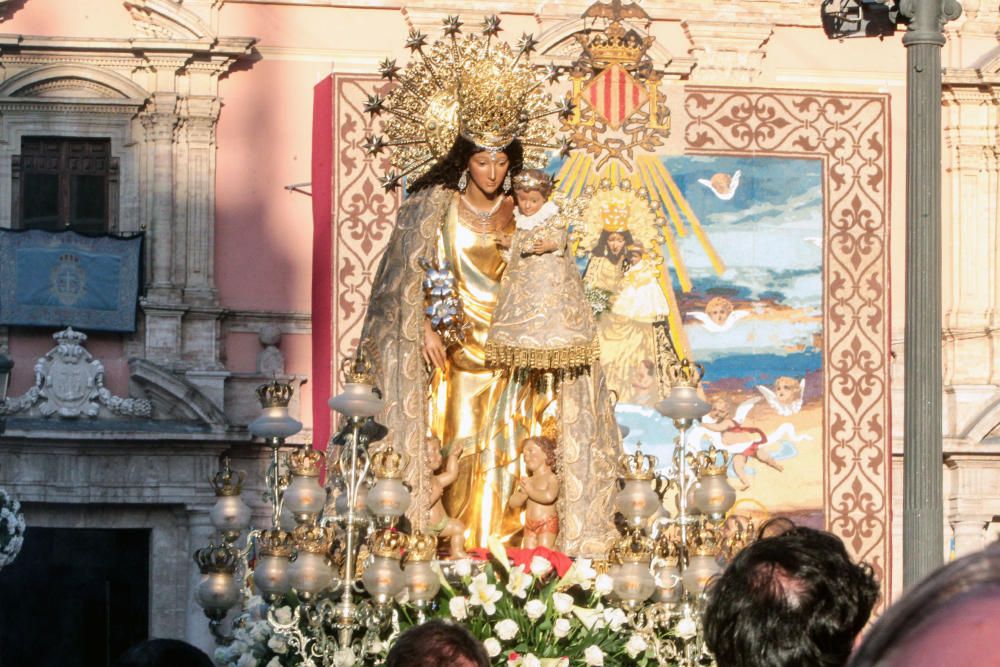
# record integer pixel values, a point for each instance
(65, 279)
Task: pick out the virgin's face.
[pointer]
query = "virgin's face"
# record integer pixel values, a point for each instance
(487, 170)
(615, 243)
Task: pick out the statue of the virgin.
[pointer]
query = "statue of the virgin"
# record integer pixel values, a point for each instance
(463, 119)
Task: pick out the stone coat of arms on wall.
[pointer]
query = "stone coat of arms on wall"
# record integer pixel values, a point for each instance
(69, 383)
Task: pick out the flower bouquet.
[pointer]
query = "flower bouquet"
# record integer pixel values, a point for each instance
(599, 299)
(533, 608)
(11, 528)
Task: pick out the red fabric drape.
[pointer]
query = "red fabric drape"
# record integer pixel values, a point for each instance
(322, 198)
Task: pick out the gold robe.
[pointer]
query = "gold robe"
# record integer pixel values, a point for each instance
(392, 336)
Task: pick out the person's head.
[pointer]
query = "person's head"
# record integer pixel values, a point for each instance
(437, 643)
(635, 253)
(787, 389)
(539, 451)
(434, 458)
(163, 653)
(532, 188)
(718, 309)
(792, 599)
(487, 169)
(949, 619)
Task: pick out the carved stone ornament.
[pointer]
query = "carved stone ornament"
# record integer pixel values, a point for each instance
(69, 383)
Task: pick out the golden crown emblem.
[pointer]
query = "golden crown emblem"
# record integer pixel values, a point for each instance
(358, 370)
(637, 465)
(615, 44)
(685, 373)
(633, 547)
(704, 541)
(275, 542)
(421, 547)
(274, 394)
(305, 462)
(216, 559)
(228, 482)
(526, 181)
(313, 539)
(666, 548)
(388, 463)
(712, 461)
(474, 86)
(389, 544)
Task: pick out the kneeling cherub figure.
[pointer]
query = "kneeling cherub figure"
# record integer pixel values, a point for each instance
(440, 523)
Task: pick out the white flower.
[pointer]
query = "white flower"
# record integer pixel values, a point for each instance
(283, 615)
(273, 662)
(517, 584)
(481, 592)
(492, 647)
(458, 608)
(562, 602)
(581, 573)
(593, 656)
(259, 632)
(531, 661)
(561, 628)
(604, 584)
(635, 645)
(247, 660)
(278, 644)
(615, 618)
(506, 629)
(687, 628)
(463, 568)
(344, 658)
(540, 566)
(534, 609)
(589, 617)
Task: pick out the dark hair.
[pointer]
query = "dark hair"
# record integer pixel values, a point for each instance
(947, 587)
(436, 643)
(601, 248)
(449, 169)
(789, 600)
(163, 653)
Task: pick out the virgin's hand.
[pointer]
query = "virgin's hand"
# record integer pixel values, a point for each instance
(503, 240)
(434, 351)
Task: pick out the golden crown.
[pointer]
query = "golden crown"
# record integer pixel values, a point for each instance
(712, 461)
(633, 547)
(305, 462)
(313, 539)
(216, 559)
(666, 548)
(389, 543)
(358, 370)
(388, 463)
(421, 547)
(685, 373)
(474, 86)
(274, 394)
(638, 465)
(275, 542)
(228, 482)
(704, 541)
(615, 45)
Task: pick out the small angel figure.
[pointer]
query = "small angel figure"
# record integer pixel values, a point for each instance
(543, 320)
(746, 439)
(786, 398)
(440, 523)
(538, 493)
(723, 185)
(719, 315)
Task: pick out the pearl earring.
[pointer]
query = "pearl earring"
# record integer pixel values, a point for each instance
(463, 181)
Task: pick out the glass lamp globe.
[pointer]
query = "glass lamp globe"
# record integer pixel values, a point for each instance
(274, 422)
(421, 581)
(683, 404)
(383, 578)
(217, 592)
(637, 501)
(634, 583)
(230, 515)
(701, 568)
(388, 498)
(310, 573)
(304, 497)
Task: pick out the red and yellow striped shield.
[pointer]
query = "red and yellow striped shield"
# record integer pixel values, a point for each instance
(615, 95)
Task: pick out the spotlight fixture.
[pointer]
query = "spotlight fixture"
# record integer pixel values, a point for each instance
(859, 18)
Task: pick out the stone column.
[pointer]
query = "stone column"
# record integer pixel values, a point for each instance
(160, 122)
